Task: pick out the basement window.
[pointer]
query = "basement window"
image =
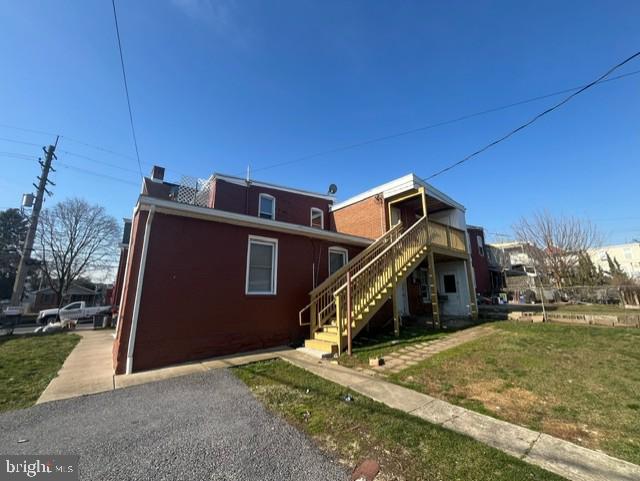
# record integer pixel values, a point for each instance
(262, 266)
(266, 206)
(317, 218)
(338, 256)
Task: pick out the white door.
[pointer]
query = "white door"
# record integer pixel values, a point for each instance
(450, 287)
(395, 216)
(403, 298)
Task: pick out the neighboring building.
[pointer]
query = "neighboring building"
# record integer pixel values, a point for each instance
(516, 264)
(480, 260)
(46, 298)
(627, 255)
(227, 265)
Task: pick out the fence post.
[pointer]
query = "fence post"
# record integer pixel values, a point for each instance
(349, 313)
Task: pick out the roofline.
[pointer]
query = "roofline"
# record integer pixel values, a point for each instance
(612, 246)
(240, 181)
(397, 186)
(187, 210)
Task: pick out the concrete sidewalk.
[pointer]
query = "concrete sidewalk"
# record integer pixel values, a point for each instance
(556, 455)
(89, 368)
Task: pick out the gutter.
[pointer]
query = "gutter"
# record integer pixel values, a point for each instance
(171, 207)
(136, 303)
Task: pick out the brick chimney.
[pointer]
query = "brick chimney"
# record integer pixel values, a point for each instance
(157, 174)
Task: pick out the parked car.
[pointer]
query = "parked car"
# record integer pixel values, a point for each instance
(76, 311)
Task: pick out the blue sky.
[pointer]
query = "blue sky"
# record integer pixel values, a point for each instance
(217, 85)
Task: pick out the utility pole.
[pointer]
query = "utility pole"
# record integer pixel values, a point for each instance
(18, 286)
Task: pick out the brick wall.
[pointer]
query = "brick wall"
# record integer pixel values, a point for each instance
(365, 218)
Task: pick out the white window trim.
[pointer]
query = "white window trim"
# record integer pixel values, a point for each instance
(315, 209)
(273, 203)
(274, 263)
(340, 250)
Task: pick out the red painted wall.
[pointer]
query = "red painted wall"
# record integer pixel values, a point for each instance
(116, 293)
(480, 263)
(193, 303)
(290, 207)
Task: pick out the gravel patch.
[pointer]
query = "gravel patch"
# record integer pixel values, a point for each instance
(200, 427)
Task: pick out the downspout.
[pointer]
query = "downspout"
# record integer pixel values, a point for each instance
(136, 302)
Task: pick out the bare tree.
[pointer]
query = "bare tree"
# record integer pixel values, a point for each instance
(74, 238)
(556, 243)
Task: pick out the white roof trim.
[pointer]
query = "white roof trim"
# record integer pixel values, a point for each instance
(257, 183)
(176, 208)
(397, 186)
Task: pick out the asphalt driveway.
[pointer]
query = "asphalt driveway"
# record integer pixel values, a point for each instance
(200, 427)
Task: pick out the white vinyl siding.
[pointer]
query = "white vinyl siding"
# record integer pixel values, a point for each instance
(262, 265)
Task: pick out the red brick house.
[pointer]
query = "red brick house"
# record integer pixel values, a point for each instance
(229, 265)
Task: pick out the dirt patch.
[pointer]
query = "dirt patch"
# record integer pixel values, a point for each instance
(513, 402)
(572, 432)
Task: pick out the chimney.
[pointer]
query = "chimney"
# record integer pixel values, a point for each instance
(157, 174)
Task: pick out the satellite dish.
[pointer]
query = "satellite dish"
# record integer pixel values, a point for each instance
(333, 188)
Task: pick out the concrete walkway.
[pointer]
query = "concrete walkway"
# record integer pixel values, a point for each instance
(411, 355)
(556, 455)
(89, 368)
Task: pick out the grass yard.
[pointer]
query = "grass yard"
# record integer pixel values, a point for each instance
(385, 343)
(578, 383)
(27, 365)
(406, 447)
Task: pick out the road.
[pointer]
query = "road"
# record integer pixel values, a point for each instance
(203, 426)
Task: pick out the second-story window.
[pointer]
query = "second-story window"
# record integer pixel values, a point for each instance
(480, 245)
(317, 218)
(267, 206)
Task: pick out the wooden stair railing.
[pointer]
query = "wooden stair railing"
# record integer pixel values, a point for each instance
(322, 305)
(369, 287)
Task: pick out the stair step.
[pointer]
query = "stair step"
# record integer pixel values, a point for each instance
(323, 346)
(327, 336)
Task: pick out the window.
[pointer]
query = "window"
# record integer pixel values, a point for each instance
(75, 305)
(480, 245)
(317, 218)
(449, 281)
(262, 265)
(266, 206)
(337, 258)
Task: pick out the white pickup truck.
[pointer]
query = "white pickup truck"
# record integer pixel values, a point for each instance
(71, 312)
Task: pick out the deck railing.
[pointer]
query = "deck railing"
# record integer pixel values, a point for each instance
(443, 235)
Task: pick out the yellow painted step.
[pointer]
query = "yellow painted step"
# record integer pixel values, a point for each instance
(322, 346)
(327, 336)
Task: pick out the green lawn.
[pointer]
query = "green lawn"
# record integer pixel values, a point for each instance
(579, 383)
(406, 447)
(382, 344)
(27, 365)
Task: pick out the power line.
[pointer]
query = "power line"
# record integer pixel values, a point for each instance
(96, 174)
(534, 119)
(126, 87)
(20, 142)
(437, 124)
(91, 159)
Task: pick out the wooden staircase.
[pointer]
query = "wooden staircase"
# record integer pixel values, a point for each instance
(352, 295)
